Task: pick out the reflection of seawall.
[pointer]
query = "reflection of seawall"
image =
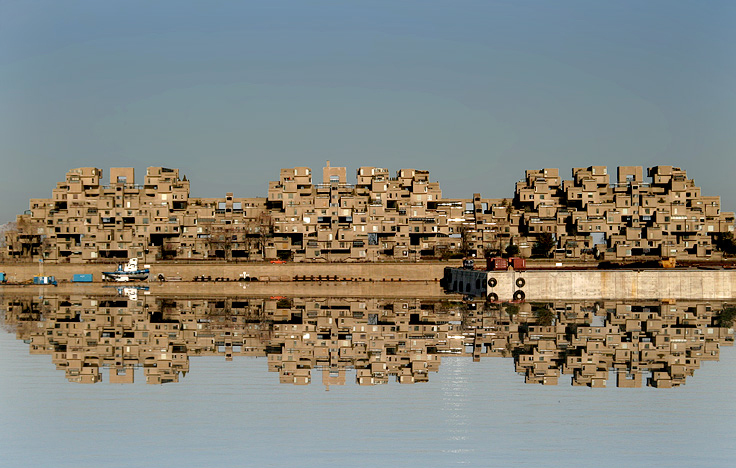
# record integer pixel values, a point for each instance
(251, 289)
(594, 284)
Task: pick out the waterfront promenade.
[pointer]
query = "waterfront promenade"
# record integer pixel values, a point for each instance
(392, 279)
(263, 271)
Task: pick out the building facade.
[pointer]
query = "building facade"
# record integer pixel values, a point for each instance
(379, 217)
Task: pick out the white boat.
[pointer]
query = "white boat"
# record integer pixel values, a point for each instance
(127, 272)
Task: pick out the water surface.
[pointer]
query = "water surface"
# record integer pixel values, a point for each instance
(481, 413)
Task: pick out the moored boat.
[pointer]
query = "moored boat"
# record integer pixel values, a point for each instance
(127, 272)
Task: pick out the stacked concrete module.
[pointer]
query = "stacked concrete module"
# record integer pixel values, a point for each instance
(666, 217)
(380, 217)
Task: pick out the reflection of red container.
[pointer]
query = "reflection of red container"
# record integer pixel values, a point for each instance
(497, 263)
(518, 263)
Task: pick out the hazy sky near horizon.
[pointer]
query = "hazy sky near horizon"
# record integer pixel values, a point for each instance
(474, 91)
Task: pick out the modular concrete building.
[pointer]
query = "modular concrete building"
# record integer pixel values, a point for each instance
(380, 216)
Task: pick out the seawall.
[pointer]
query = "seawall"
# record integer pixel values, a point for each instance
(594, 284)
(423, 271)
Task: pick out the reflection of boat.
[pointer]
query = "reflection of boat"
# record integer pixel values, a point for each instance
(127, 272)
(131, 291)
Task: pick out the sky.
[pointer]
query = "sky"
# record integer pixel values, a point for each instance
(476, 92)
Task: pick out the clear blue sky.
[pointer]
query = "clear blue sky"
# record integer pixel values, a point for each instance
(474, 91)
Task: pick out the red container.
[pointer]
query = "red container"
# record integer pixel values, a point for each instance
(497, 263)
(518, 263)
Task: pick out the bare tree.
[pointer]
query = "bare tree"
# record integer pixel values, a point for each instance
(6, 231)
(265, 232)
(220, 240)
(464, 232)
(168, 251)
(21, 241)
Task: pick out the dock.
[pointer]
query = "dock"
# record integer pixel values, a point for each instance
(510, 285)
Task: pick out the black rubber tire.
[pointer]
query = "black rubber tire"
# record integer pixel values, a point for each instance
(492, 282)
(493, 297)
(519, 295)
(520, 282)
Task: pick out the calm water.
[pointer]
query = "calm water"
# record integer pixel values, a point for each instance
(479, 413)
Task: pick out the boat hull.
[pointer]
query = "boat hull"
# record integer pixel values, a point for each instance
(119, 275)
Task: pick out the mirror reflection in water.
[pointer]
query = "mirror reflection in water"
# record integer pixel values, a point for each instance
(372, 341)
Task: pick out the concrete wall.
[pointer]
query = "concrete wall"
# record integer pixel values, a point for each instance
(469, 282)
(606, 284)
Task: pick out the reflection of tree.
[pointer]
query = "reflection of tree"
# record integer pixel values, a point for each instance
(511, 309)
(543, 313)
(726, 318)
